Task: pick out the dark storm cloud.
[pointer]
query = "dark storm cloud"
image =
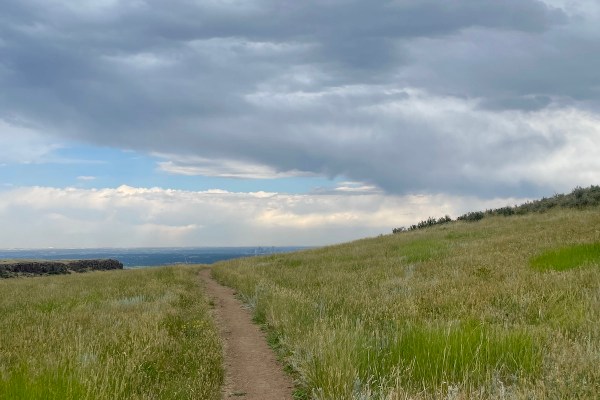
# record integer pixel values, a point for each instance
(324, 87)
(511, 69)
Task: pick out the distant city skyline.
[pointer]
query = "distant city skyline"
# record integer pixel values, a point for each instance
(146, 123)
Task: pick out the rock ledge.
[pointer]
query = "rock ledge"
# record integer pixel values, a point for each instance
(35, 268)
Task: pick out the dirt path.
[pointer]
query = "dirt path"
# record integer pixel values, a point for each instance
(251, 369)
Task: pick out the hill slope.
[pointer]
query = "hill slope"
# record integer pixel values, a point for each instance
(459, 310)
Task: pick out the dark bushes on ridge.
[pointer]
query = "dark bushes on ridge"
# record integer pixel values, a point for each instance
(578, 198)
(471, 216)
(424, 224)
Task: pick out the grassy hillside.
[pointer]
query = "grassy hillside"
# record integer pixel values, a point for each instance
(136, 334)
(579, 198)
(504, 306)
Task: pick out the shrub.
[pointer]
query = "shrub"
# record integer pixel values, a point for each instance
(471, 216)
(424, 224)
(578, 198)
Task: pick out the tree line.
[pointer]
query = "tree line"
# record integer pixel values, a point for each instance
(579, 198)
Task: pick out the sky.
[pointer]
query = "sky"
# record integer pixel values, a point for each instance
(134, 123)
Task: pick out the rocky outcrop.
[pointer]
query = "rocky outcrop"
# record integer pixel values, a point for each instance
(94, 265)
(34, 268)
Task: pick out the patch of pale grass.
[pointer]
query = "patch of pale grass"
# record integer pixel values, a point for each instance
(133, 334)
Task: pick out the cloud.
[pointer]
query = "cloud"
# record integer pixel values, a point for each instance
(348, 187)
(223, 168)
(134, 217)
(458, 97)
(510, 70)
(429, 143)
(22, 144)
(86, 178)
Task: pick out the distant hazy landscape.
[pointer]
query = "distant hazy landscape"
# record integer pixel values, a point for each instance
(147, 257)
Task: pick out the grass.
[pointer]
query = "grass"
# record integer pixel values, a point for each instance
(136, 334)
(452, 311)
(568, 257)
(505, 307)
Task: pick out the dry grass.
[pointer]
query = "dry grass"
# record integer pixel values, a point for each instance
(453, 311)
(135, 334)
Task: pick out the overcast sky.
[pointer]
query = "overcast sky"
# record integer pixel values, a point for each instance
(259, 122)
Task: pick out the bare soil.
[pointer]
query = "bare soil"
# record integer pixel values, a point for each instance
(252, 371)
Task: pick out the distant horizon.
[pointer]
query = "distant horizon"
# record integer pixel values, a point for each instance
(146, 257)
(151, 247)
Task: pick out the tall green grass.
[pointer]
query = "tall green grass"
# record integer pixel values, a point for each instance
(347, 362)
(454, 311)
(134, 334)
(568, 257)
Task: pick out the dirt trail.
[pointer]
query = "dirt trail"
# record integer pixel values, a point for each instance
(251, 368)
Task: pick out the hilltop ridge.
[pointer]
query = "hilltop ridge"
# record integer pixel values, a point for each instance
(579, 198)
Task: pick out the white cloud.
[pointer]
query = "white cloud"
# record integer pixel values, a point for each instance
(21, 144)
(412, 140)
(222, 168)
(356, 187)
(86, 178)
(140, 61)
(581, 8)
(132, 217)
(349, 187)
(573, 162)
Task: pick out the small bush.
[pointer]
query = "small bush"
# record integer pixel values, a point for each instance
(472, 216)
(424, 224)
(505, 211)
